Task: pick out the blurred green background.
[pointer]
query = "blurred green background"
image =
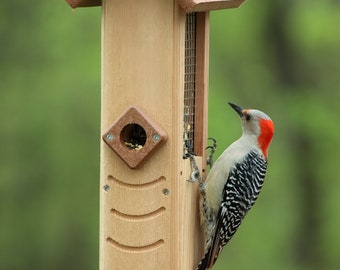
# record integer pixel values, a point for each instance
(282, 57)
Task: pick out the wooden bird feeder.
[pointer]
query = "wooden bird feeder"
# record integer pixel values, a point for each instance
(154, 109)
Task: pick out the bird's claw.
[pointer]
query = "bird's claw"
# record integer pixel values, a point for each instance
(214, 142)
(212, 148)
(188, 155)
(194, 176)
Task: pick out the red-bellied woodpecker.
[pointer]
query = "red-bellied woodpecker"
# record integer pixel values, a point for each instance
(234, 183)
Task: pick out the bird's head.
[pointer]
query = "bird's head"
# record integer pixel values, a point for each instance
(256, 123)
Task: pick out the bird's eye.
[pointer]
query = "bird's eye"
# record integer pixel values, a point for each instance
(248, 117)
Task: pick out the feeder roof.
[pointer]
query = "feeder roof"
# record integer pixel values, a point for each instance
(188, 5)
(84, 3)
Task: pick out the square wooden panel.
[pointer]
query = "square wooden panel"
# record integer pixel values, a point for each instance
(134, 137)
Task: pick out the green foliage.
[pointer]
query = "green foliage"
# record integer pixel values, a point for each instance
(282, 58)
(49, 112)
(278, 56)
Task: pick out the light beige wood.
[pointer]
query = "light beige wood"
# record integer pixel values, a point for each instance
(148, 216)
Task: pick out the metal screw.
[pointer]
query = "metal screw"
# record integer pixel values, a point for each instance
(166, 191)
(156, 137)
(106, 188)
(110, 137)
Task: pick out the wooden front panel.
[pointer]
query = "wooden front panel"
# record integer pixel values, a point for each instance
(148, 216)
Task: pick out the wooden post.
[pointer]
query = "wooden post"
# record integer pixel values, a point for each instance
(154, 89)
(148, 216)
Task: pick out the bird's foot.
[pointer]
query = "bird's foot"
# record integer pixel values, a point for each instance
(212, 149)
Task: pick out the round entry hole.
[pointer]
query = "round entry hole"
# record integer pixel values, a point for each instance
(133, 136)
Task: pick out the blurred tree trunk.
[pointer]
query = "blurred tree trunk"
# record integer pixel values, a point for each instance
(305, 243)
(307, 235)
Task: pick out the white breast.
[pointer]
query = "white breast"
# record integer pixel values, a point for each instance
(218, 174)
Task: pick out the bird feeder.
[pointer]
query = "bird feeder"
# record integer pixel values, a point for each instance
(154, 110)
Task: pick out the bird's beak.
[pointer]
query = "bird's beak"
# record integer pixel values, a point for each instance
(238, 109)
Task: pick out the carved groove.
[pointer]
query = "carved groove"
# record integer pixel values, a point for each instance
(151, 184)
(135, 249)
(144, 217)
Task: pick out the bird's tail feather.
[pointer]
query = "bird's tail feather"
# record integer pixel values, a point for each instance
(203, 264)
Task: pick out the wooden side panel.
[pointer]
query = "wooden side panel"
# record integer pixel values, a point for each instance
(202, 82)
(148, 216)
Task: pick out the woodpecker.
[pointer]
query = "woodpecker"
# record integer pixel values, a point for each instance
(234, 183)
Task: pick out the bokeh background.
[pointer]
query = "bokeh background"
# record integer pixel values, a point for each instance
(282, 57)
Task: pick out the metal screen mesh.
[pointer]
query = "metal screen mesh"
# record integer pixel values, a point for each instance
(189, 81)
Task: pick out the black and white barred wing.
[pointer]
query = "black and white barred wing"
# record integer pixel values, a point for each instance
(239, 195)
